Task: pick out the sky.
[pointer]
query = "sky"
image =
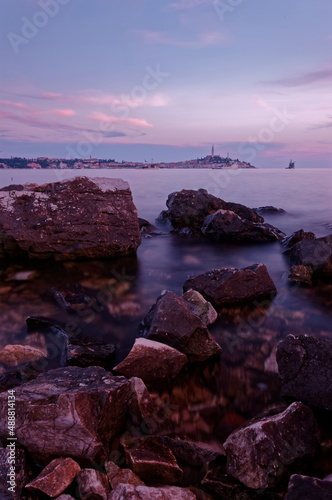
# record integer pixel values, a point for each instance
(148, 80)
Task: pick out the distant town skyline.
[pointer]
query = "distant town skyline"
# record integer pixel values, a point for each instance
(164, 81)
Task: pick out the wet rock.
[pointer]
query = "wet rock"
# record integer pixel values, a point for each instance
(233, 286)
(71, 412)
(65, 497)
(171, 322)
(93, 485)
(187, 210)
(116, 476)
(152, 461)
(14, 378)
(305, 368)
(201, 307)
(71, 219)
(73, 297)
(308, 488)
(225, 225)
(147, 228)
(269, 210)
(128, 491)
(300, 275)
(314, 253)
(140, 404)
(153, 362)
(257, 455)
(297, 236)
(15, 355)
(56, 477)
(84, 352)
(7, 455)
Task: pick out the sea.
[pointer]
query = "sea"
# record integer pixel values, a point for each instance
(127, 288)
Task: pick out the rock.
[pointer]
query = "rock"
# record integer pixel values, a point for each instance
(140, 405)
(300, 275)
(187, 210)
(314, 253)
(81, 351)
(71, 219)
(14, 378)
(152, 461)
(93, 485)
(153, 362)
(225, 225)
(305, 368)
(56, 477)
(297, 236)
(233, 286)
(116, 476)
(71, 412)
(65, 497)
(12, 457)
(172, 322)
(201, 307)
(130, 492)
(147, 228)
(308, 488)
(73, 297)
(269, 210)
(15, 355)
(258, 454)
(23, 276)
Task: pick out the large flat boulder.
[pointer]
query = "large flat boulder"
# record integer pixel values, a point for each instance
(233, 286)
(305, 368)
(258, 455)
(72, 412)
(171, 322)
(79, 218)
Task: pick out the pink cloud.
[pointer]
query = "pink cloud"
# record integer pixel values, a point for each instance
(12, 104)
(207, 39)
(102, 117)
(64, 112)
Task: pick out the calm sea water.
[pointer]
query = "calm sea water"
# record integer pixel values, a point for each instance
(248, 338)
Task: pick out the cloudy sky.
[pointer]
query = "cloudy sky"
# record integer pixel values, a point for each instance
(143, 79)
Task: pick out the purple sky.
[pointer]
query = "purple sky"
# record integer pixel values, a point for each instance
(143, 79)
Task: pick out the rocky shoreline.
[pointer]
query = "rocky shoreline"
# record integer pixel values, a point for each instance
(100, 427)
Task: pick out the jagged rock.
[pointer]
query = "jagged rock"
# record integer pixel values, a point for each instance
(257, 455)
(116, 476)
(130, 492)
(297, 236)
(71, 219)
(201, 307)
(305, 368)
(308, 488)
(172, 322)
(314, 253)
(153, 362)
(152, 461)
(15, 355)
(140, 405)
(147, 228)
(93, 485)
(187, 210)
(269, 210)
(65, 497)
(14, 378)
(73, 297)
(81, 351)
(13, 457)
(56, 477)
(225, 225)
(300, 275)
(68, 411)
(233, 286)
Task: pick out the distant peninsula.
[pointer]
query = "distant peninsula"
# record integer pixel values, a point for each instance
(210, 161)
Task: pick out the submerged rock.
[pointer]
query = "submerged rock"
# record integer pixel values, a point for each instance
(129, 491)
(308, 488)
(258, 454)
(305, 368)
(300, 275)
(71, 412)
(233, 286)
(269, 210)
(171, 322)
(225, 225)
(92, 484)
(153, 362)
(79, 218)
(56, 477)
(73, 297)
(147, 229)
(201, 307)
